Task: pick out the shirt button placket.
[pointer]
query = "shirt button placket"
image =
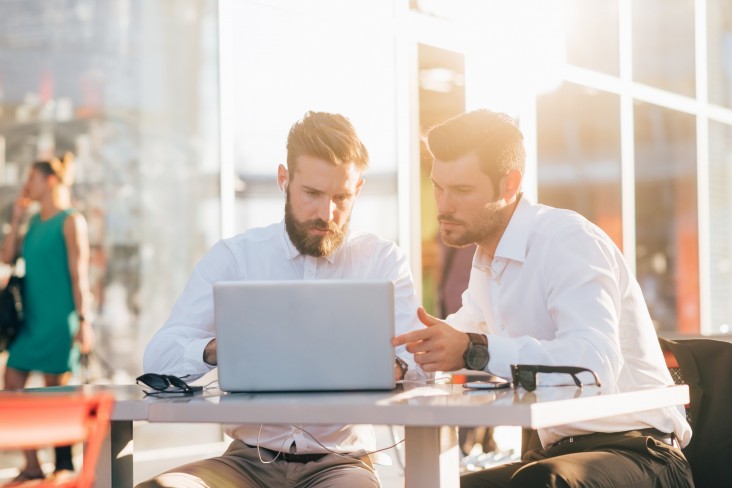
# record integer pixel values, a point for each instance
(311, 268)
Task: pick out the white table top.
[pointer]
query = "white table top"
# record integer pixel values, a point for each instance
(429, 414)
(428, 405)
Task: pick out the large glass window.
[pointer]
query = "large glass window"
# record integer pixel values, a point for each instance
(719, 50)
(578, 156)
(445, 270)
(592, 35)
(128, 87)
(290, 57)
(666, 216)
(663, 44)
(720, 228)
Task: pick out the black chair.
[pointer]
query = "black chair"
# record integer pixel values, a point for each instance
(706, 366)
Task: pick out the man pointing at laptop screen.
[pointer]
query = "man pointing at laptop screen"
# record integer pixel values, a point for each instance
(549, 292)
(323, 177)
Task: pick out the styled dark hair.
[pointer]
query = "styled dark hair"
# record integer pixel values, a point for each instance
(61, 167)
(326, 136)
(492, 136)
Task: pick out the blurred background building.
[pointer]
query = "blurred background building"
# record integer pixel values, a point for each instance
(178, 112)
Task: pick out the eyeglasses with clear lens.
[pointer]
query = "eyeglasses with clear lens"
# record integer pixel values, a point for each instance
(525, 374)
(164, 383)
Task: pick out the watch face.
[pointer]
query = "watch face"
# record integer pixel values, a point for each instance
(477, 357)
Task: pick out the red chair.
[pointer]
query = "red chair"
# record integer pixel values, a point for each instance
(38, 420)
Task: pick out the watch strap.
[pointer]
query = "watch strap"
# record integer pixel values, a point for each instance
(479, 339)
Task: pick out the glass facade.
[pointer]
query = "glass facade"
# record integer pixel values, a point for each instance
(666, 215)
(126, 86)
(720, 231)
(591, 35)
(719, 52)
(629, 127)
(340, 63)
(138, 91)
(663, 44)
(578, 141)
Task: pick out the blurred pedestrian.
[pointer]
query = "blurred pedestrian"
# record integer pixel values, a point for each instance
(56, 298)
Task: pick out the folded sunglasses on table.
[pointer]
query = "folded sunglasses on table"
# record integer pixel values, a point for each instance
(525, 374)
(165, 383)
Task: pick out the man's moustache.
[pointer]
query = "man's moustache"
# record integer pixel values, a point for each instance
(323, 226)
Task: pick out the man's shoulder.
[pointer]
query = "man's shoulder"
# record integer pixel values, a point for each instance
(557, 226)
(255, 235)
(558, 220)
(368, 240)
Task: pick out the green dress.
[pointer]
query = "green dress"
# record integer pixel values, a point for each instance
(46, 341)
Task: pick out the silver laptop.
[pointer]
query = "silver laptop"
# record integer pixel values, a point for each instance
(304, 335)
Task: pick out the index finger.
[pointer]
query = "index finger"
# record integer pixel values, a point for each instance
(414, 336)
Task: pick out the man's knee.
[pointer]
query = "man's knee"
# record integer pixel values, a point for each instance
(172, 479)
(539, 474)
(351, 476)
(207, 473)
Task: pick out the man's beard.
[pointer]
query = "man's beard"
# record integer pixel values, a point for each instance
(314, 245)
(488, 222)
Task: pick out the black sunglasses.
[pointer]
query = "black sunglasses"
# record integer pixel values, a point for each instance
(525, 374)
(165, 383)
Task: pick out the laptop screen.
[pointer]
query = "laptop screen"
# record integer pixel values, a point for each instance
(304, 335)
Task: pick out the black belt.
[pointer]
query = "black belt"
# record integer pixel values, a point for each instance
(664, 437)
(291, 457)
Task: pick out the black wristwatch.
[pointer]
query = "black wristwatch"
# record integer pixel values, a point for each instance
(476, 355)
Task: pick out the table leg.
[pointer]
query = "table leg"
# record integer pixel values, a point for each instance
(431, 457)
(114, 468)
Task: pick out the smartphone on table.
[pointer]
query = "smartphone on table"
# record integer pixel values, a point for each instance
(491, 382)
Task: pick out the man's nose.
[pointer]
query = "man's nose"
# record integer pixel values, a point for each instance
(444, 204)
(326, 210)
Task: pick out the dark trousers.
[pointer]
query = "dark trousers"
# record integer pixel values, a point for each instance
(628, 460)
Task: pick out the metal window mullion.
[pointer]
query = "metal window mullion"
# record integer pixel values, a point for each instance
(407, 130)
(227, 175)
(627, 137)
(702, 151)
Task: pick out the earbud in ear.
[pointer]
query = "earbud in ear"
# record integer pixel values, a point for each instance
(284, 186)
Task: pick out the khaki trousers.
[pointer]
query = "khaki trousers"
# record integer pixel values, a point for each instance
(240, 466)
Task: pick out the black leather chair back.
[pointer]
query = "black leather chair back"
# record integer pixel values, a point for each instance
(706, 366)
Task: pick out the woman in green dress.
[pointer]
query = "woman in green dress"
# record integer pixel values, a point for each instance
(56, 296)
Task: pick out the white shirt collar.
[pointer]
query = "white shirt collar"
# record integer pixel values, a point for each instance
(514, 241)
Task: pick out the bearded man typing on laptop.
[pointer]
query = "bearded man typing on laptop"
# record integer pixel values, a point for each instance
(323, 177)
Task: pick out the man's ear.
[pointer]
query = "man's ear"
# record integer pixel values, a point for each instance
(359, 185)
(282, 177)
(510, 185)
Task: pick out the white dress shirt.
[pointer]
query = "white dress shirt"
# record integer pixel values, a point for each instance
(268, 254)
(559, 292)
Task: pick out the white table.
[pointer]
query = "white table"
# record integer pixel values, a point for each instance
(430, 415)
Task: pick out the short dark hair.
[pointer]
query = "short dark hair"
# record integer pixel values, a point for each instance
(492, 136)
(330, 137)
